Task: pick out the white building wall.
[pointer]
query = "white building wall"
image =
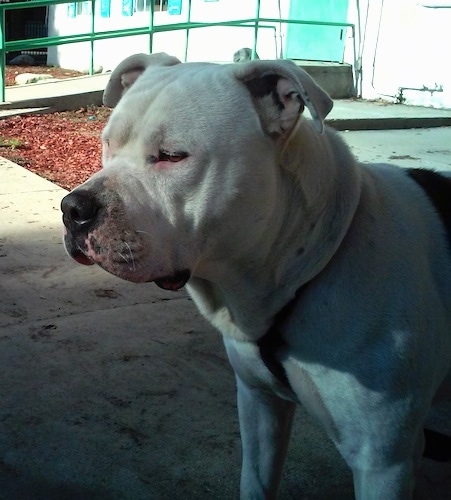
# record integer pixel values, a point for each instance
(205, 44)
(404, 44)
(401, 44)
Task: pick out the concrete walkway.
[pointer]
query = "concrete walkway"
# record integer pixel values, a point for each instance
(59, 95)
(112, 390)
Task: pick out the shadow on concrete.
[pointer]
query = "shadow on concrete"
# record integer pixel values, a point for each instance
(116, 390)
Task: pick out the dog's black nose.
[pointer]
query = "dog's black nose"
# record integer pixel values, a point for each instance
(80, 209)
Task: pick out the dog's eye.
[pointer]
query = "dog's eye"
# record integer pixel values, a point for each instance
(166, 157)
(172, 157)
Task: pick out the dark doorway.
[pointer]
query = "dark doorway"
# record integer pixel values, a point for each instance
(22, 24)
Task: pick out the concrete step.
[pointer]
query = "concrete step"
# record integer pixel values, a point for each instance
(335, 78)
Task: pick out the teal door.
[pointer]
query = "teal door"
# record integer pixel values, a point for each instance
(316, 43)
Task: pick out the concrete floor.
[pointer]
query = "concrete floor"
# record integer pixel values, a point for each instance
(414, 148)
(111, 390)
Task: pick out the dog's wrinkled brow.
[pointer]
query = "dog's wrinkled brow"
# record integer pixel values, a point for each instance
(118, 135)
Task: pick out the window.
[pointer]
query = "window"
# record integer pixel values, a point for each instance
(82, 8)
(144, 5)
(160, 5)
(78, 8)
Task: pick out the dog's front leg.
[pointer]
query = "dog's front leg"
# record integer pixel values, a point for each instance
(265, 425)
(393, 482)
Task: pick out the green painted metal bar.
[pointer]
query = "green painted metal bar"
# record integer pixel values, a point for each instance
(93, 30)
(103, 35)
(187, 31)
(257, 16)
(2, 56)
(248, 22)
(299, 21)
(151, 25)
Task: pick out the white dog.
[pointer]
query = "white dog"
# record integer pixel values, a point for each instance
(329, 280)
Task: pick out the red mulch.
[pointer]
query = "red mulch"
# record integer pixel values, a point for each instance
(62, 147)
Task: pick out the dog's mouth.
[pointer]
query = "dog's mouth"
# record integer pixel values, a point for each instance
(171, 282)
(175, 281)
(81, 258)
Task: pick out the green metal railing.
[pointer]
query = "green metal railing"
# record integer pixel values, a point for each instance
(150, 30)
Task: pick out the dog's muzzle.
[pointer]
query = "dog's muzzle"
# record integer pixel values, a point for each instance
(89, 239)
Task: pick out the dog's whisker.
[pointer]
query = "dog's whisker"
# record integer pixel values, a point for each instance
(130, 262)
(132, 267)
(128, 257)
(123, 257)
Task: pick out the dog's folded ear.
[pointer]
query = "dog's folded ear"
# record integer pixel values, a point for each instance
(126, 73)
(281, 90)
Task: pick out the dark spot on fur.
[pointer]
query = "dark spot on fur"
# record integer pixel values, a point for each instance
(300, 251)
(272, 342)
(438, 189)
(260, 87)
(437, 446)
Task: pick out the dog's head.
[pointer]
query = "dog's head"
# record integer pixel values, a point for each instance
(190, 158)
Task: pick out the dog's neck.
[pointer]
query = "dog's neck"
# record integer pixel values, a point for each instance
(245, 294)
